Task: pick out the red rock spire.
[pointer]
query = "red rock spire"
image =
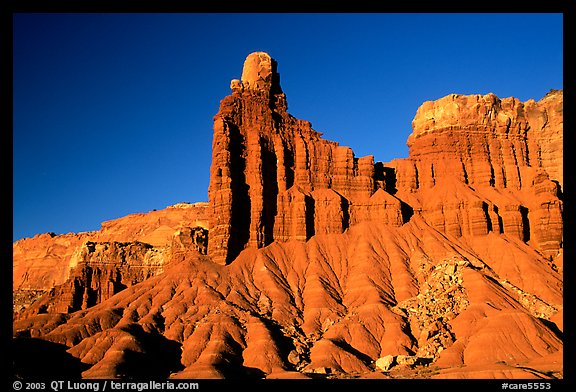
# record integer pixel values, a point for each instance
(273, 178)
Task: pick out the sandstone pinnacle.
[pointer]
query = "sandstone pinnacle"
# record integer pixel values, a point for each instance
(259, 74)
(310, 262)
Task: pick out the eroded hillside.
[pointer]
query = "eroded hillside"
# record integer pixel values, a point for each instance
(310, 262)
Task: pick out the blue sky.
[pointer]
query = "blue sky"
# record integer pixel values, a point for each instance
(113, 112)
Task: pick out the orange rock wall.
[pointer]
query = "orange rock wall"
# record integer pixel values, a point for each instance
(273, 178)
(449, 260)
(479, 164)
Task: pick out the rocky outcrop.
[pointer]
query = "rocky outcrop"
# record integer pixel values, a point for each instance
(481, 164)
(308, 262)
(485, 140)
(42, 262)
(328, 307)
(273, 178)
(80, 270)
(156, 227)
(100, 270)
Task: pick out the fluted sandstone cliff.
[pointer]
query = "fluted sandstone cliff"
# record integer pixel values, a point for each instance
(310, 262)
(273, 177)
(77, 271)
(477, 164)
(480, 164)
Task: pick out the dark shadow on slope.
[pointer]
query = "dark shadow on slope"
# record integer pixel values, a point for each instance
(284, 343)
(240, 214)
(240, 372)
(386, 177)
(485, 209)
(525, 224)
(270, 189)
(345, 205)
(559, 193)
(231, 365)
(159, 357)
(40, 359)
(552, 327)
(500, 221)
(288, 162)
(358, 354)
(310, 205)
(406, 210)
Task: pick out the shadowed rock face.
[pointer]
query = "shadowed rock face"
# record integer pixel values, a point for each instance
(308, 262)
(259, 74)
(37, 359)
(65, 273)
(481, 164)
(273, 177)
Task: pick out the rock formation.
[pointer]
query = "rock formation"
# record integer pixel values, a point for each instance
(308, 262)
(273, 178)
(491, 160)
(81, 270)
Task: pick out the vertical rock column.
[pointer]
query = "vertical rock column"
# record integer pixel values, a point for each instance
(243, 176)
(273, 178)
(220, 192)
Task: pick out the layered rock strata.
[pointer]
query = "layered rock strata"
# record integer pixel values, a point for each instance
(273, 178)
(77, 271)
(99, 270)
(308, 262)
(482, 164)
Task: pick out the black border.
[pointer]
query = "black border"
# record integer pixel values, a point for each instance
(420, 6)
